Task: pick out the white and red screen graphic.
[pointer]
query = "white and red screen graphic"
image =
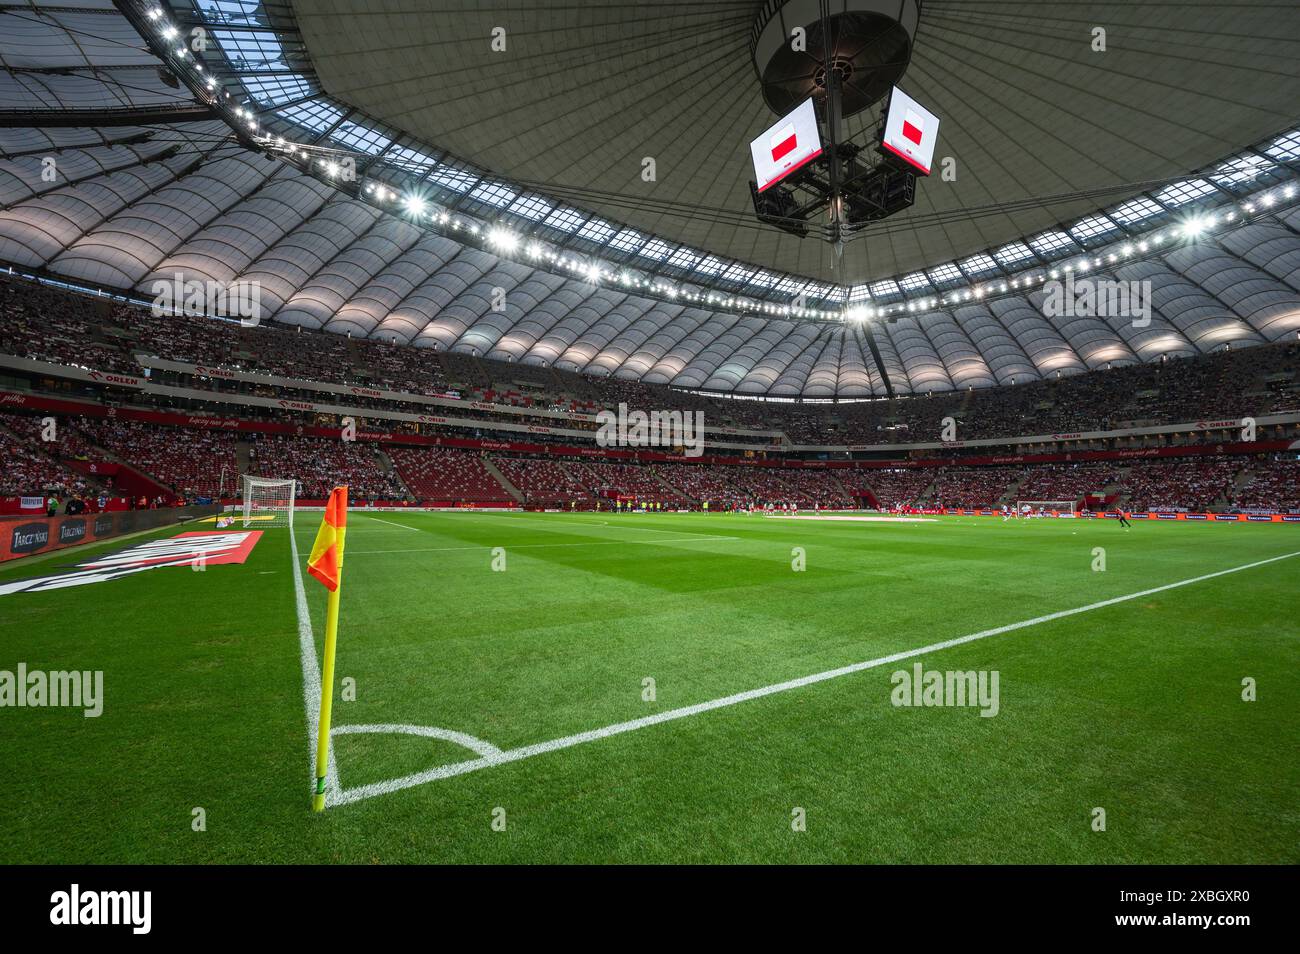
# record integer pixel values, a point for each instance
(793, 142)
(784, 141)
(911, 131)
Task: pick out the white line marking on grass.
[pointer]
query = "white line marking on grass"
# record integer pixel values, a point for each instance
(534, 546)
(392, 524)
(862, 519)
(528, 751)
(486, 749)
(311, 681)
(571, 528)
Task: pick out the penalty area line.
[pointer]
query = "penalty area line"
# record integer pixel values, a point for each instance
(506, 756)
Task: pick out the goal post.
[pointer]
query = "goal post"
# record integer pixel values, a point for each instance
(1059, 506)
(268, 502)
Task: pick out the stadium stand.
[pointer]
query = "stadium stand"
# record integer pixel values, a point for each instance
(86, 332)
(188, 460)
(893, 488)
(605, 480)
(442, 474)
(1192, 485)
(974, 486)
(541, 481)
(1067, 481)
(320, 464)
(28, 471)
(1273, 485)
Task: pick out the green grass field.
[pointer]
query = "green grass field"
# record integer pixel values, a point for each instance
(1135, 707)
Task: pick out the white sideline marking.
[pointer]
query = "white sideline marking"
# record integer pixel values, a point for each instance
(568, 741)
(534, 546)
(311, 682)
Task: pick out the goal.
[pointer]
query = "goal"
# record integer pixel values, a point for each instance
(268, 502)
(1060, 506)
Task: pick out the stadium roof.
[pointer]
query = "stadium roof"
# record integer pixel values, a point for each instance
(1042, 126)
(147, 179)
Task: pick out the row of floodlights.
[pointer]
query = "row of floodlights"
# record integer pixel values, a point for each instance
(506, 242)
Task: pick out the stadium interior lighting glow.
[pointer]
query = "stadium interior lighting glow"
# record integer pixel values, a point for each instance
(503, 239)
(414, 205)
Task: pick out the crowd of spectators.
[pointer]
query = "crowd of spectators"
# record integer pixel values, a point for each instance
(1067, 481)
(59, 326)
(738, 486)
(1181, 485)
(1274, 484)
(543, 481)
(189, 460)
(56, 435)
(438, 473)
(701, 482)
(609, 480)
(320, 464)
(816, 488)
(973, 486)
(46, 324)
(30, 471)
(891, 487)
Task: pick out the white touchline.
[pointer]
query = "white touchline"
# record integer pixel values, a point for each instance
(311, 680)
(507, 756)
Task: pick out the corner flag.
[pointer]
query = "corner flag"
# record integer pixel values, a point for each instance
(326, 560)
(326, 564)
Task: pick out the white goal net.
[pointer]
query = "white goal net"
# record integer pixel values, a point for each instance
(1046, 506)
(268, 502)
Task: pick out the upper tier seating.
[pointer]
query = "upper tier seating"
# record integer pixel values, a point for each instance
(63, 327)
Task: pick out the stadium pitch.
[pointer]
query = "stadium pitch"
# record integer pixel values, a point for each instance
(688, 688)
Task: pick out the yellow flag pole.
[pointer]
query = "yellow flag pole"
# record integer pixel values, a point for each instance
(336, 508)
(326, 696)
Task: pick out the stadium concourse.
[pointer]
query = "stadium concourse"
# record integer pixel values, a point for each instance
(675, 378)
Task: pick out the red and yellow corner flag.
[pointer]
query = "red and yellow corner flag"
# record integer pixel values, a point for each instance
(326, 560)
(326, 564)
